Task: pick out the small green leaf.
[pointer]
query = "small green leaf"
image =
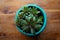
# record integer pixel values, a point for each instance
(32, 31)
(25, 28)
(37, 25)
(24, 22)
(34, 11)
(40, 19)
(34, 19)
(21, 15)
(38, 12)
(25, 9)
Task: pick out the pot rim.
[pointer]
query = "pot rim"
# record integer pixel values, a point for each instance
(45, 20)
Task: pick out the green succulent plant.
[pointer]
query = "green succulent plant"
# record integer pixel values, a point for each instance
(28, 20)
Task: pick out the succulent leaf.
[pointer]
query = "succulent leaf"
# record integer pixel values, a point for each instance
(40, 19)
(32, 31)
(25, 9)
(34, 11)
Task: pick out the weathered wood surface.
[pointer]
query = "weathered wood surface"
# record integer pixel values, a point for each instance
(8, 10)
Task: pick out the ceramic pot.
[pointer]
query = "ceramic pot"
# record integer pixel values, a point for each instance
(44, 15)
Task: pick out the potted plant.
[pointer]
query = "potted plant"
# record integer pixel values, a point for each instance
(30, 19)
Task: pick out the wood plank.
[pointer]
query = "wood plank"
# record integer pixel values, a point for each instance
(52, 30)
(14, 4)
(8, 29)
(8, 10)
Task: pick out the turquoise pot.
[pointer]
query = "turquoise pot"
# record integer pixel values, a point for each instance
(45, 20)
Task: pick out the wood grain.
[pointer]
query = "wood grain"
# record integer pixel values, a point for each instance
(8, 29)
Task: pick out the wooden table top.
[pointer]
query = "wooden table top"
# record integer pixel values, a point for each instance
(8, 10)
